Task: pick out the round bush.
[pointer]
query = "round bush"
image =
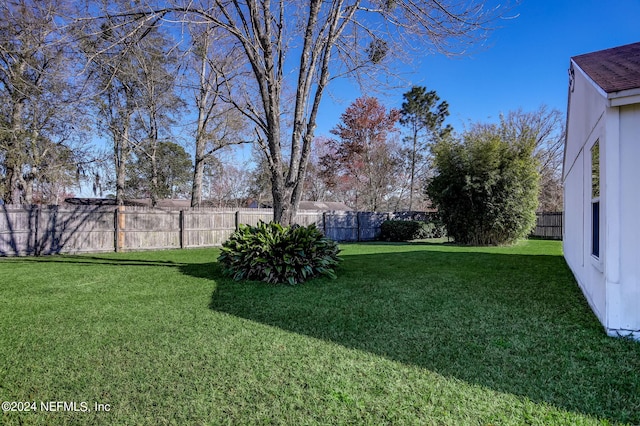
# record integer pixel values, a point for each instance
(275, 254)
(405, 230)
(486, 185)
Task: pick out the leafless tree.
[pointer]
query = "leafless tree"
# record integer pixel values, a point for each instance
(305, 46)
(547, 127)
(227, 185)
(38, 135)
(132, 72)
(215, 65)
(157, 103)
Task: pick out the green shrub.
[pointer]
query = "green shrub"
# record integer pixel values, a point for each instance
(275, 254)
(405, 230)
(486, 185)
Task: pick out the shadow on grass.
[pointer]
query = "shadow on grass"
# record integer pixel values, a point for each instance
(91, 260)
(513, 323)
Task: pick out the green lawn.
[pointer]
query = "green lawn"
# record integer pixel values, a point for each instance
(408, 334)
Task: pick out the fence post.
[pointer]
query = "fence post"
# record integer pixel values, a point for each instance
(237, 220)
(36, 231)
(119, 229)
(181, 225)
(324, 223)
(358, 225)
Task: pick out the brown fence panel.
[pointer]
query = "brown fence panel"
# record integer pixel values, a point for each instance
(52, 229)
(306, 218)
(17, 230)
(548, 225)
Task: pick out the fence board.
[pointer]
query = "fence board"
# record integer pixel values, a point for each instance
(151, 229)
(17, 230)
(74, 230)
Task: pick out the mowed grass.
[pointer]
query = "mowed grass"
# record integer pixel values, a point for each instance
(422, 333)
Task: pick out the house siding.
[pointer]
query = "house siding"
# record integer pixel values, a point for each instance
(586, 125)
(588, 103)
(610, 282)
(627, 292)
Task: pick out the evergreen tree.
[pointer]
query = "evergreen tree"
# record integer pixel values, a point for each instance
(424, 117)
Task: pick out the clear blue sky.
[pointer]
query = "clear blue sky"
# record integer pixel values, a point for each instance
(523, 65)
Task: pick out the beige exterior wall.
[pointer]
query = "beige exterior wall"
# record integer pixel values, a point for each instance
(626, 292)
(585, 126)
(611, 282)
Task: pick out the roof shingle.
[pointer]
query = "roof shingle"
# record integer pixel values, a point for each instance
(613, 69)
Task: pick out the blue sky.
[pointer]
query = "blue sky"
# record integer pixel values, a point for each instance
(523, 64)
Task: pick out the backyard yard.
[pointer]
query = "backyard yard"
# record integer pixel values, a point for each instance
(416, 333)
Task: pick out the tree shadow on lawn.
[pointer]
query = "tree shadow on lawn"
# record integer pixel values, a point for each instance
(90, 260)
(513, 323)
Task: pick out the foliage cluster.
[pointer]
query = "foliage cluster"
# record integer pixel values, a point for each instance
(279, 254)
(405, 230)
(486, 186)
(362, 162)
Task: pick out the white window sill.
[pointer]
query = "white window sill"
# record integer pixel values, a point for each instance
(597, 263)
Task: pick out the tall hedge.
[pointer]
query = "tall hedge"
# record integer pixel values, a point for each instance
(486, 186)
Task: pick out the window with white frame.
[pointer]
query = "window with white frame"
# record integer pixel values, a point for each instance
(595, 199)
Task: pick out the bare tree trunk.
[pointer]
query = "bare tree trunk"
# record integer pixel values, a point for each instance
(198, 167)
(15, 149)
(121, 153)
(283, 210)
(198, 171)
(154, 178)
(413, 167)
(120, 171)
(27, 190)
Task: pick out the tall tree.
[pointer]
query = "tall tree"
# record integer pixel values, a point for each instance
(37, 99)
(114, 79)
(123, 65)
(423, 117)
(168, 176)
(214, 64)
(156, 105)
(364, 152)
(320, 40)
(547, 128)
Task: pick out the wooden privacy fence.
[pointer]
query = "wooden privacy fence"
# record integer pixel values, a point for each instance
(38, 230)
(548, 225)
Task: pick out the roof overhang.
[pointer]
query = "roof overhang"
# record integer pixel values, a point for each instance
(614, 99)
(624, 97)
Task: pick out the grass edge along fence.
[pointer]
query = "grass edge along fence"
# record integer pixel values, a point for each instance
(41, 230)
